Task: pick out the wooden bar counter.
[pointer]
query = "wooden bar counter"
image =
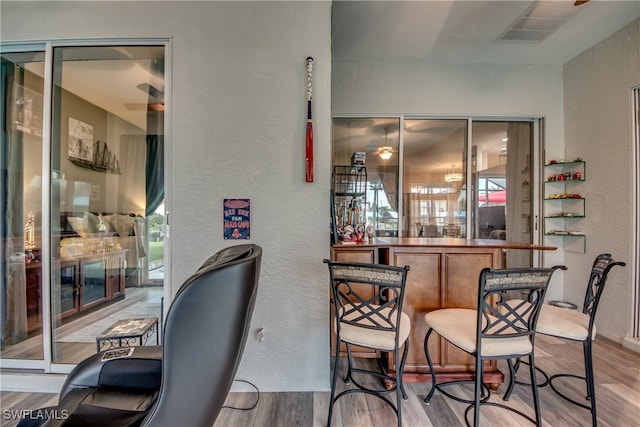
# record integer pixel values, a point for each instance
(443, 274)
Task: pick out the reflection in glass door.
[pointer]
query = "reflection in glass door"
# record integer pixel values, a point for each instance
(99, 157)
(461, 178)
(434, 177)
(107, 152)
(378, 139)
(21, 123)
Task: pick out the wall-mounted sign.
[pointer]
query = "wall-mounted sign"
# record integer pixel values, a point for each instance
(237, 219)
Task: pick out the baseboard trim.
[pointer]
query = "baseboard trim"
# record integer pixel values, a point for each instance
(632, 344)
(32, 383)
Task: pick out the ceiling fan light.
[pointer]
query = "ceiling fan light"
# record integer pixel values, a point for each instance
(453, 177)
(385, 153)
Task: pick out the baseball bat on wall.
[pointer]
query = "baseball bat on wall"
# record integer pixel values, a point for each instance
(308, 166)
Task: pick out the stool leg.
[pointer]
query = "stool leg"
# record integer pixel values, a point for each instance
(334, 378)
(399, 387)
(429, 395)
(534, 390)
(591, 388)
(478, 391)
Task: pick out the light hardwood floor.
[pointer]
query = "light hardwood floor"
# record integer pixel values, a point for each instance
(617, 390)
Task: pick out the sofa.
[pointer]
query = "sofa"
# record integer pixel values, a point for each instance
(84, 233)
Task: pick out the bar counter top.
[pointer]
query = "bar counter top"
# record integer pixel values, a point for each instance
(386, 242)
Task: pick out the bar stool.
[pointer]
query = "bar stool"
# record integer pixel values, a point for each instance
(498, 329)
(578, 326)
(367, 302)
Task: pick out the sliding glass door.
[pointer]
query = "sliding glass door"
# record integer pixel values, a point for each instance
(21, 123)
(82, 196)
(103, 150)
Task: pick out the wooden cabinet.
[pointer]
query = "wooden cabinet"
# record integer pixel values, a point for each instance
(79, 283)
(441, 277)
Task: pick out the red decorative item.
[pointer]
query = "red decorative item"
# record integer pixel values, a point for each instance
(309, 142)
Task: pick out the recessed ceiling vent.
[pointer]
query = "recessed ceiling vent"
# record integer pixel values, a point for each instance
(540, 20)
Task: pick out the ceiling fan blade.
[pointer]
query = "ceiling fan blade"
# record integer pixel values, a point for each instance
(136, 106)
(580, 2)
(152, 91)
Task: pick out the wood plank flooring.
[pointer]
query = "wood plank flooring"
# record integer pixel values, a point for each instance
(617, 390)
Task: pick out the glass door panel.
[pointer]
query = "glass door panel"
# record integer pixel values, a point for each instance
(502, 175)
(107, 179)
(21, 124)
(434, 177)
(378, 139)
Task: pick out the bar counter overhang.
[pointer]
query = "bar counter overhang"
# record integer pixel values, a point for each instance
(443, 273)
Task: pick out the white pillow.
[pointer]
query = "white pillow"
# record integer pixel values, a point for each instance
(85, 225)
(122, 224)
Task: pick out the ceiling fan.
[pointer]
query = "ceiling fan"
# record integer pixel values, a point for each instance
(385, 151)
(155, 102)
(580, 2)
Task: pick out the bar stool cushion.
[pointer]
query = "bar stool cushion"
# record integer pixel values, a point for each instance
(562, 322)
(458, 326)
(363, 336)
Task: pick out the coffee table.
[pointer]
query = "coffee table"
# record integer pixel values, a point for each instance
(128, 332)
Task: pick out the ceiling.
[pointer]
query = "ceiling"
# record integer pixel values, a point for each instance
(454, 31)
(457, 31)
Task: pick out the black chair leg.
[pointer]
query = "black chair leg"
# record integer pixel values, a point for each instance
(512, 379)
(400, 383)
(334, 378)
(534, 390)
(400, 394)
(477, 393)
(591, 389)
(429, 395)
(347, 378)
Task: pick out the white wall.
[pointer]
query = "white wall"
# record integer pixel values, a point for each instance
(457, 90)
(598, 94)
(237, 130)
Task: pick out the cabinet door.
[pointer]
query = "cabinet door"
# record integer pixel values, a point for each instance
(66, 294)
(440, 278)
(460, 290)
(366, 255)
(116, 275)
(93, 282)
(34, 295)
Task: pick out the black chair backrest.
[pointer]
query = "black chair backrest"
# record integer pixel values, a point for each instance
(500, 317)
(597, 279)
(356, 304)
(204, 337)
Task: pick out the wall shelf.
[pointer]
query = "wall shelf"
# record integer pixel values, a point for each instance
(564, 205)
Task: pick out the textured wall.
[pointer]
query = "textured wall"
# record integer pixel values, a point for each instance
(598, 92)
(237, 117)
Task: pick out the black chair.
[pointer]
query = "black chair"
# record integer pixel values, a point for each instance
(367, 303)
(500, 328)
(578, 326)
(185, 381)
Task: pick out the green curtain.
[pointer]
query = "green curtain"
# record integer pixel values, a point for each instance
(154, 173)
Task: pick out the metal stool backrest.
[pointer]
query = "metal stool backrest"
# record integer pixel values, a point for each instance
(498, 320)
(351, 292)
(597, 280)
